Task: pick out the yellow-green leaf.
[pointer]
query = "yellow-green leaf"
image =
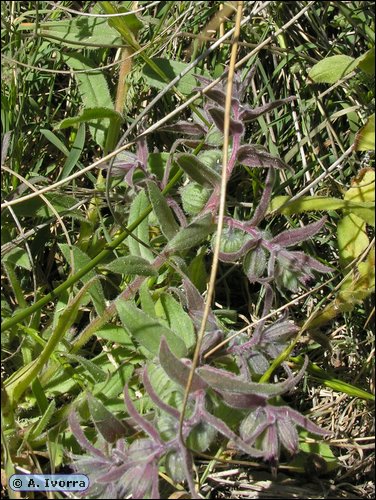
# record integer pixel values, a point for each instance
(352, 238)
(365, 138)
(331, 69)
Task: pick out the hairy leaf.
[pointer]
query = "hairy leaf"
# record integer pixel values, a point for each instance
(198, 171)
(167, 222)
(131, 264)
(218, 116)
(192, 235)
(146, 330)
(176, 369)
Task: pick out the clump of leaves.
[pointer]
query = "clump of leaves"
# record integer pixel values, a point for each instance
(223, 384)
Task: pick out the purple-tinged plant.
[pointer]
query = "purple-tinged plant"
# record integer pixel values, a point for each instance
(127, 162)
(225, 382)
(268, 427)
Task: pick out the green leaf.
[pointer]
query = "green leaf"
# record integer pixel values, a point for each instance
(362, 187)
(129, 22)
(192, 235)
(352, 238)
(36, 207)
(365, 138)
(81, 260)
(201, 437)
(114, 385)
(331, 69)
(197, 271)
(157, 163)
(18, 257)
(94, 92)
(366, 62)
(363, 209)
(20, 380)
(90, 32)
(88, 115)
(50, 136)
(131, 264)
(115, 334)
(169, 309)
(74, 153)
(198, 171)
(138, 207)
(166, 219)
(147, 302)
(146, 330)
(43, 422)
(91, 369)
(171, 69)
(314, 456)
(332, 382)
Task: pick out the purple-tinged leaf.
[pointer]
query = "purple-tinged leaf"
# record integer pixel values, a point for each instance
(106, 423)
(243, 85)
(288, 435)
(115, 473)
(263, 204)
(222, 380)
(255, 157)
(142, 484)
(249, 114)
(142, 151)
(218, 116)
(304, 422)
(198, 171)
(196, 306)
(279, 331)
(202, 79)
(195, 301)
(223, 429)
(177, 370)
(82, 439)
(186, 128)
(293, 236)
(187, 462)
(179, 214)
(270, 444)
(211, 338)
(142, 422)
(310, 262)
(253, 425)
(234, 256)
(155, 483)
(218, 96)
(242, 401)
(156, 399)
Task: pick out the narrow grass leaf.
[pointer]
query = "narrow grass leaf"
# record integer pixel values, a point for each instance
(81, 260)
(74, 153)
